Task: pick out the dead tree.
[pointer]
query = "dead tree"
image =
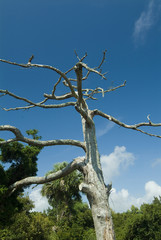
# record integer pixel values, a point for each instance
(93, 185)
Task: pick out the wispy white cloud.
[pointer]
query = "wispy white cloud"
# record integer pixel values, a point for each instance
(117, 161)
(156, 162)
(105, 129)
(122, 201)
(146, 20)
(40, 202)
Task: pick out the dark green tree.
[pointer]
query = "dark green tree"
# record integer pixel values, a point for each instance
(27, 225)
(139, 224)
(17, 161)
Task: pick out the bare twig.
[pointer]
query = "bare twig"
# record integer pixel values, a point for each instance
(103, 59)
(30, 59)
(54, 88)
(80, 59)
(148, 117)
(83, 57)
(76, 55)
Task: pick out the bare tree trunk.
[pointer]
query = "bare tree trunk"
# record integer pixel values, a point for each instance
(94, 186)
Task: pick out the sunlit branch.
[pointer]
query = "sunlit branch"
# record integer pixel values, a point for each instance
(62, 97)
(76, 164)
(20, 137)
(133, 127)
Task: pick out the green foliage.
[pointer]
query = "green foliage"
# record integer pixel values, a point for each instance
(139, 224)
(69, 218)
(17, 161)
(26, 225)
(76, 226)
(33, 133)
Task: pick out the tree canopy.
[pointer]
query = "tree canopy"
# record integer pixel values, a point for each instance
(142, 223)
(17, 161)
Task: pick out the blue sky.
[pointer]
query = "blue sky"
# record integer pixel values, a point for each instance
(131, 33)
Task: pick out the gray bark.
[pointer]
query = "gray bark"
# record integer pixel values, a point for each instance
(94, 186)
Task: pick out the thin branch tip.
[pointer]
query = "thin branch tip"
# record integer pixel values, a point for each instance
(30, 59)
(148, 117)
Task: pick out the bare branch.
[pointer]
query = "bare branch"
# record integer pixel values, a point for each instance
(92, 70)
(40, 104)
(54, 88)
(133, 127)
(80, 59)
(67, 104)
(83, 57)
(29, 65)
(100, 90)
(103, 59)
(77, 163)
(30, 59)
(6, 92)
(62, 97)
(76, 55)
(20, 137)
(148, 117)
(113, 89)
(84, 78)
